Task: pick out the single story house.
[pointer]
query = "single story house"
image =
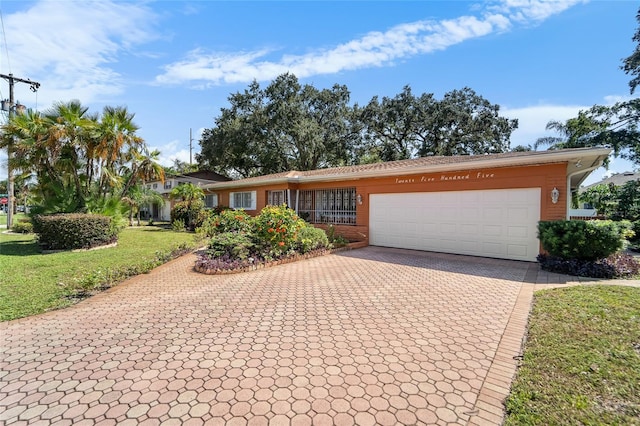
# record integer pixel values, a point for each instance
(163, 212)
(481, 205)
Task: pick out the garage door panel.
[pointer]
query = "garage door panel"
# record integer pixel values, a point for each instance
(469, 229)
(514, 250)
(493, 249)
(518, 232)
(489, 213)
(492, 223)
(491, 230)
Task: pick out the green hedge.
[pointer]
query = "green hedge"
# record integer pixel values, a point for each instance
(23, 226)
(584, 240)
(74, 231)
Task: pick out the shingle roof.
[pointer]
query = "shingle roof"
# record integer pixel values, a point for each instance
(418, 165)
(618, 179)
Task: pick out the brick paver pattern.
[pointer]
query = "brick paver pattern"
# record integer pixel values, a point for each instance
(371, 336)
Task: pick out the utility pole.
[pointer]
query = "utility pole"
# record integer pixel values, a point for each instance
(34, 86)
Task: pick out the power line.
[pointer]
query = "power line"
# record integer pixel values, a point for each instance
(4, 37)
(11, 106)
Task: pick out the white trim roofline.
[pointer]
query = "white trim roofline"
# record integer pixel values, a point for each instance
(588, 156)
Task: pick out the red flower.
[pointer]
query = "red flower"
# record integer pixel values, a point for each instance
(270, 230)
(281, 243)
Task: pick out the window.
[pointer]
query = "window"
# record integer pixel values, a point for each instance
(337, 206)
(155, 186)
(211, 201)
(276, 198)
(167, 184)
(243, 200)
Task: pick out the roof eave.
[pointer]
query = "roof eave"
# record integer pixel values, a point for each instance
(546, 157)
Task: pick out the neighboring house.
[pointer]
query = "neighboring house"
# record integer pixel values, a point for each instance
(484, 205)
(619, 179)
(200, 178)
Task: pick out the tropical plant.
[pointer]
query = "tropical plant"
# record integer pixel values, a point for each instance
(191, 197)
(139, 196)
(603, 198)
(78, 158)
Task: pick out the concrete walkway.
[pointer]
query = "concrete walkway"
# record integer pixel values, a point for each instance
(368, 337)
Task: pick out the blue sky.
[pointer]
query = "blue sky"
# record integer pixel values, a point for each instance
(174, 63)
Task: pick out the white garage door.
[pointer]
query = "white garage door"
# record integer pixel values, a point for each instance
(491, 223)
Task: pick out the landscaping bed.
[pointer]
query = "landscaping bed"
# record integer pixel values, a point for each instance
(205, 266)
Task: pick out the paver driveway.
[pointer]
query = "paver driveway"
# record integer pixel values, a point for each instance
(370, 336)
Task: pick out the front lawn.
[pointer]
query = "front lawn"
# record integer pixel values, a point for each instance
(16, 218)
(32, 283)
(581, 362)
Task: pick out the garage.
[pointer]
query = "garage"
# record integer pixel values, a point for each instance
(500, 223)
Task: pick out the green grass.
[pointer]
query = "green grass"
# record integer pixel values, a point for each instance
(32, 282)
(16, 218)
(581, 362)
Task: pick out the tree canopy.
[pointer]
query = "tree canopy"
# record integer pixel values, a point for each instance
(615, 125)
(288, 126)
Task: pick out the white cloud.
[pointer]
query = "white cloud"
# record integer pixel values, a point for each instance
(532, 11)
(68, 46)
(533, 120)
(375, 49)
(613, 99)
(176, 149)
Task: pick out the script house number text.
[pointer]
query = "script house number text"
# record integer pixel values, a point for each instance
(448, 177)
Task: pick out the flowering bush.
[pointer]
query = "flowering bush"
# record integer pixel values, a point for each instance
(276, 229)
(233, 221)
(238, 240)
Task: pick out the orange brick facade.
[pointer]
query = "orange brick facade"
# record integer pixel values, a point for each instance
(544, 176)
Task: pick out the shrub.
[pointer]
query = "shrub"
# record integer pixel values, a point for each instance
(335, 239)
(626, 229)
(192, 213)
(178, 225)
(311, 238)
(635, 227)
(208, 229)
(582, 240)
(23, 227)
(233, 221)
(615, 266)
(73, 231)
(276, 229)
(235, 245)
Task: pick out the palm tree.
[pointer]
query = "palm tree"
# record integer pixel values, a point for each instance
(144, 167)
(578, 132)
(69, 130)
(188, 193)
(116, 143)
(139, 196)
(79, 160)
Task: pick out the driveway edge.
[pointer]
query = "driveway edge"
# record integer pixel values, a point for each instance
(489, 407)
